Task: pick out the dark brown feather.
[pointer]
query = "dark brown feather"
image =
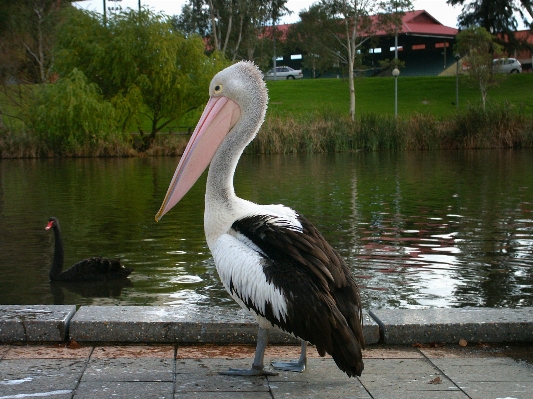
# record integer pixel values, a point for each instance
(324, 306)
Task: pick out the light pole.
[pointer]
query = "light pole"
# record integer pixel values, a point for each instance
(395, 73)
(457, 56)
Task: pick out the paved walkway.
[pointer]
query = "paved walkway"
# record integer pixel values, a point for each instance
(180, 371)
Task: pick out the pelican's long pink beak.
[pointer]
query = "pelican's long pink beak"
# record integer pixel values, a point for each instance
(218, 118)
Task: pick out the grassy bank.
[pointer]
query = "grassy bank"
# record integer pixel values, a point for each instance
(499, 126)
(312, 116)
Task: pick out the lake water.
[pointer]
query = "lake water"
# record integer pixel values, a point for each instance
(418, 229)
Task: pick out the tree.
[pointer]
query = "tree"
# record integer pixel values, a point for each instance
(312, 36)
(235, 28)
(497, 17)
(355, 26)
(72, 114)
(477, 46)
(27, 33)
(194, 19)
(146, 69)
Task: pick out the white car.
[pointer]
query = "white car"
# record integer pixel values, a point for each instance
(506, 65)
(284, 72)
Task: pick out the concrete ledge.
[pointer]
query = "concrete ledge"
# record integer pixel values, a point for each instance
(135, 324)
(35, 323)
(408, 326)
(164, 324)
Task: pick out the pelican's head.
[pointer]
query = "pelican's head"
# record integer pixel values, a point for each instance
(238, 95)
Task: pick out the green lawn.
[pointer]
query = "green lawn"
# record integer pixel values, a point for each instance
(427, 95)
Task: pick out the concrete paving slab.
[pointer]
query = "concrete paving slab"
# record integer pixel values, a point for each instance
(53, 394)
(124, 390)
(195, 375)
(321, 379)
(111, 371)
(222, 395)
(34, 323)
(400, 394)
(39, 377)
(134, 370)
(313, 389)
(407, 382)
(317, 370)
(490, 369)
(379, 352)
(408, 326)
(498, 390)
(386, 366)
(169, 324)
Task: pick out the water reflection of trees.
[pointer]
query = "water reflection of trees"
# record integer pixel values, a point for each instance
(419, 221)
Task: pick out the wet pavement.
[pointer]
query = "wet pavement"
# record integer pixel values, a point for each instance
(89, 371)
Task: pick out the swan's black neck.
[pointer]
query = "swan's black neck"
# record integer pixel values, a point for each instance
(57, 263)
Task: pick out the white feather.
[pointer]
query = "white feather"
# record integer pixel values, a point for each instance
(241, 264)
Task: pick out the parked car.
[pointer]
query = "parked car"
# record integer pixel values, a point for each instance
(284, 72)
(506, 65)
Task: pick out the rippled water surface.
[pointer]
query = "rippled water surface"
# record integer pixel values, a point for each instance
(438, 229)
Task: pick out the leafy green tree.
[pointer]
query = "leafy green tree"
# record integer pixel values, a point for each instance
(27, 35)
(194, 18)
(497, 17)
(146, 69)
(72, 113)
(477, 47)
(312, 37)
(354, 26)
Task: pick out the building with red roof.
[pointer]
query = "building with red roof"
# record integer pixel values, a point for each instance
(424, 45)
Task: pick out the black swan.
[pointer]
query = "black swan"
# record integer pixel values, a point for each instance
(91, 269)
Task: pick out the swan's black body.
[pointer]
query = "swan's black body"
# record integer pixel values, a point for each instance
(91, 269)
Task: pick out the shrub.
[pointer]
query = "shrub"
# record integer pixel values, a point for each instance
(71, 114)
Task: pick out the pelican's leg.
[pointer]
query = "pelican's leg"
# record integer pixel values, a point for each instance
(258, 367)
(295, 365)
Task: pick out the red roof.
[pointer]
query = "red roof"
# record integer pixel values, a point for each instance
(420, 22)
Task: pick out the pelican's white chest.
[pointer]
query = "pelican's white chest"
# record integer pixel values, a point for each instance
(238, 260)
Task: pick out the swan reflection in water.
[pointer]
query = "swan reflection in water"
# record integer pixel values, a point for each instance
(88, 289)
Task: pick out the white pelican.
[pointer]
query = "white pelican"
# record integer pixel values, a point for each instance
(271, 259)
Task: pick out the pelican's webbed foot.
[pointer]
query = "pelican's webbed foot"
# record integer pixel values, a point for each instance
(295, 365)
(258, 368)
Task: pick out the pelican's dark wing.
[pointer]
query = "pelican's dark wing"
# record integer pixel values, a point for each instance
(323, 305)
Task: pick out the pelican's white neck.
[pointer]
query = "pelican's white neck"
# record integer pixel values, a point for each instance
(243, 84)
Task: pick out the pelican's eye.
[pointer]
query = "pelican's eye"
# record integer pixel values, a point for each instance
(218, 89)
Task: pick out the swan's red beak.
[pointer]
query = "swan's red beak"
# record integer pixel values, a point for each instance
(218, 118)
(49, 225)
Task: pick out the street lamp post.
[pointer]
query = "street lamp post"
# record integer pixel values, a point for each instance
(395, 73)
(457, 56)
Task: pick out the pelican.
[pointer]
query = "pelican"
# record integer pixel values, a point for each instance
(270, 259)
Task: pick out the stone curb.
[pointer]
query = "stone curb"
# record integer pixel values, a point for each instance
(35, 323)
(164, 324)
(136, 324)
(408, 326)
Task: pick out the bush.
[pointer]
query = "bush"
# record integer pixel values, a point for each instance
(71, 115)
(496, 126)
